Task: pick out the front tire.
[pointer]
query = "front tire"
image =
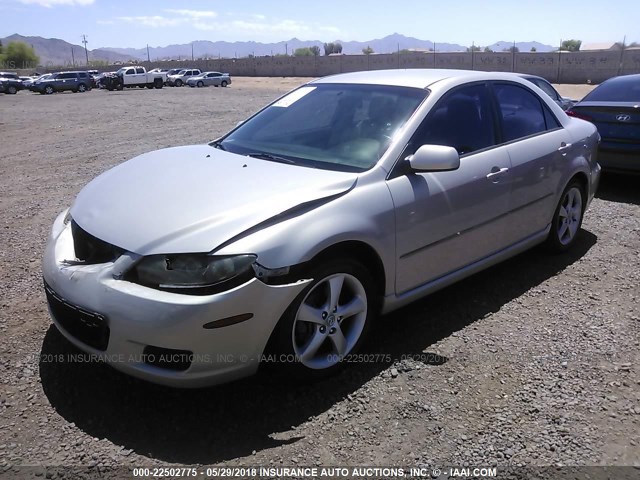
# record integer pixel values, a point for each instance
(200, 84)
(48, 90)
(567, 218)
(224, 83)
(11, 90)
(178, 83)
(328, 321)
(82, 88)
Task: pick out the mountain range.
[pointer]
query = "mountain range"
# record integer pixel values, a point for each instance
(53, 51)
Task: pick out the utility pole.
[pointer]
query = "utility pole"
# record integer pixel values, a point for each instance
(192, 51)
(286, 49)
(73, 57)
(86, 52)
(559, 60)
(624, 40)
(148, 57)
(473, 54)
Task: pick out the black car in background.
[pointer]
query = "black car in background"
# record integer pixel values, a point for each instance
(10, 83)
(614, 107)
(63, 81)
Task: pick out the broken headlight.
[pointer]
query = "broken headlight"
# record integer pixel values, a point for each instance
(192, 274)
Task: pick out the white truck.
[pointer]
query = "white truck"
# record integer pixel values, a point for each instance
(136, 76)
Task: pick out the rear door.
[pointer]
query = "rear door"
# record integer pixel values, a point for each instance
(537, 145)
(447, 220)
(141, 76)
(214, 78)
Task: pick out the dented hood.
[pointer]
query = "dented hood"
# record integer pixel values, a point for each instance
(192, 199)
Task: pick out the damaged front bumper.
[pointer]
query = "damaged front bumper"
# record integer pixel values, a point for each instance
(205, 339)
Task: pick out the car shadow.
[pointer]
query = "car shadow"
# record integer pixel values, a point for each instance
(204, 426)
(619, 187)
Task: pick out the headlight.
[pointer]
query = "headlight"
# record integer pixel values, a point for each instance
(192, 274)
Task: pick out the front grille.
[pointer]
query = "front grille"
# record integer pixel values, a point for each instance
(167, 358)
(90, 249)
(88, 327)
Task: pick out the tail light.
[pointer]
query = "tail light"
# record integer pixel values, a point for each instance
(573, 113)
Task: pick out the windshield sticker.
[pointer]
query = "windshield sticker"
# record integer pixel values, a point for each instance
(293, 97)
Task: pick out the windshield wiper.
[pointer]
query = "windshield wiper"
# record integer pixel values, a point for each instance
(268, 156)
(217, 145)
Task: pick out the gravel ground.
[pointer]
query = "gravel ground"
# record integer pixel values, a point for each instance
(533, 362)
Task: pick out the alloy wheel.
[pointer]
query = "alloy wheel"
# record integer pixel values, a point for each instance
(329, 321)
(569, 215)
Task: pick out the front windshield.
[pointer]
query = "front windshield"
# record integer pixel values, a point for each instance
(331, 126)
(121, 71)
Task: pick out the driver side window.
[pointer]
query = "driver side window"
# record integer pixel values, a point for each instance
(462, 119)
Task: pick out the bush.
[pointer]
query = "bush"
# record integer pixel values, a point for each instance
(18, 55)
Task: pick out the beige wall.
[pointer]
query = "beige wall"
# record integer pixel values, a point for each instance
(577, 67)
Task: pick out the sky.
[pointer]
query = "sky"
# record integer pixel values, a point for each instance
(136, 23)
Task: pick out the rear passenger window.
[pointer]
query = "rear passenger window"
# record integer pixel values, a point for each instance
(551, 120)
(139, 70)
(520, 110)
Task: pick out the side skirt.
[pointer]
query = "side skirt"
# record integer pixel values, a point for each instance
(393, 302)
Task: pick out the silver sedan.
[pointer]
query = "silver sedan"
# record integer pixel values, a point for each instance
(279, 243)
(207, 79)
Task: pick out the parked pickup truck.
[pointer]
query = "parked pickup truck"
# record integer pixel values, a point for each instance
(135, 77)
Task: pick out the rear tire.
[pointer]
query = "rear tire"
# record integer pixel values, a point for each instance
(224, 83)
(11, 90)
(82, 88)
(48, 90)
(200, 84)
(328, 321)
(567, 219)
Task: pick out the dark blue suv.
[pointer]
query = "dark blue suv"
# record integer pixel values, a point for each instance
(63, 81)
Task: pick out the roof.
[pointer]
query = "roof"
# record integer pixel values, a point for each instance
(598, 46)
(414, 77)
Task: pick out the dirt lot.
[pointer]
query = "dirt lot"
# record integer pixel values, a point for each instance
(533, 362)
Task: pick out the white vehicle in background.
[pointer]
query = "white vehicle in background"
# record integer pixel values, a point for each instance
(205, 79)
(35, 78)
(138, 77)
(182, 76)
(163, 72)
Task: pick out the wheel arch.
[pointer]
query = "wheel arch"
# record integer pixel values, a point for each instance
(583, 179)
(359, 251)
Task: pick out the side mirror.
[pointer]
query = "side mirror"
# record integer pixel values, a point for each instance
(435, 158)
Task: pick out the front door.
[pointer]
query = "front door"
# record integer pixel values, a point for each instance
(446, 220)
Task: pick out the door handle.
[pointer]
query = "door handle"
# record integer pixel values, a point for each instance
(564, 146)
(495, 172)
